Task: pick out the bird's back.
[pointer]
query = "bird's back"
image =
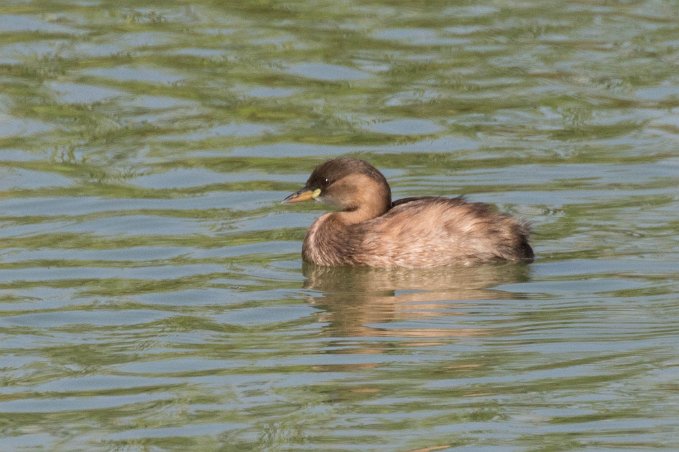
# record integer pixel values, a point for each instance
(433, 231)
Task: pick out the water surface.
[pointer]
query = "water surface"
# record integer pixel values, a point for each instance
(152, 294)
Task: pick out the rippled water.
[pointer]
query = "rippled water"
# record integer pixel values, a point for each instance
(152, 292)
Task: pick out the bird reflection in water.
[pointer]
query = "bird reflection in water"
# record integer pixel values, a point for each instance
(406, 303)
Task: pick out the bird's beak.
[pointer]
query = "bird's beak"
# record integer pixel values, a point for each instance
(303, 195)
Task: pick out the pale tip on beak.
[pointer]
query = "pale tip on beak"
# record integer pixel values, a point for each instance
(302, 195)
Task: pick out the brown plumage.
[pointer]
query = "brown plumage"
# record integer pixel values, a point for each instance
(421, 232)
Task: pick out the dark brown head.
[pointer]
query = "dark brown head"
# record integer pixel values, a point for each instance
(350, 184)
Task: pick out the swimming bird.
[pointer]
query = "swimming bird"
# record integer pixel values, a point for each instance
(368, 229)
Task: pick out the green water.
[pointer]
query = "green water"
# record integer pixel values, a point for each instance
(151, 286)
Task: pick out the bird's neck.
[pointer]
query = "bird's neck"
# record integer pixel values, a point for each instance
(349, 217)
(366, 210)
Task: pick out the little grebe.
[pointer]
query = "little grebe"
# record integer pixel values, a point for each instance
(419, 232)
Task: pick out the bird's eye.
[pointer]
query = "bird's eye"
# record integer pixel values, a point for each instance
(325, 181)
